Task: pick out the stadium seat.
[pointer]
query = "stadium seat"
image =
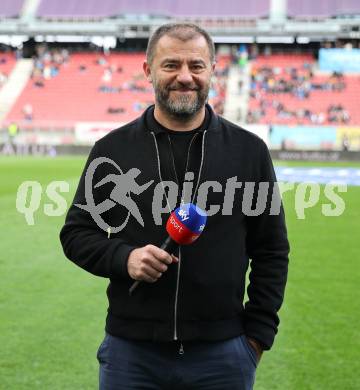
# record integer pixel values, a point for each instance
(84, 91)
(7, 62)
(318, 101)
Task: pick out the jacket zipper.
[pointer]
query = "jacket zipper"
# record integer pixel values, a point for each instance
(176, 295)
(181, 350)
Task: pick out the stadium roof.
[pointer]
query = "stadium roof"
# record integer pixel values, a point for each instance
(228, 21)
(167, 8)
(322, 8)
(10, 8)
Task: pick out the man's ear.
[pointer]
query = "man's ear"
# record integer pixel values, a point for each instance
(147, 71)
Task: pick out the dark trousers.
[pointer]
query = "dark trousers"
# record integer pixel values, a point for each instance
(128, 364)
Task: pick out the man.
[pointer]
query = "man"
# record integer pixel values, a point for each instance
(185, 326)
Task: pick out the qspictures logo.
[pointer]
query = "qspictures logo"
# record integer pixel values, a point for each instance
(127, 185)
(124, 186)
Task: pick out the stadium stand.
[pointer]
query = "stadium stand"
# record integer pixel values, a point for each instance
(7, 63)
(323, 9)
(87, 87)
(92, 87)
(10, 8)
(286, 89)
(190, 8)
(71, 93)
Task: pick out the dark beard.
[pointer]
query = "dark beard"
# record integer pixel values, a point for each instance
(183, 108)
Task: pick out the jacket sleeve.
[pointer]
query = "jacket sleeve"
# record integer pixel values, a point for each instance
(268, 249)
(86, 244)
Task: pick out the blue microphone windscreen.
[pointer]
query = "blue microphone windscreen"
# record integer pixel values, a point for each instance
(192, 216)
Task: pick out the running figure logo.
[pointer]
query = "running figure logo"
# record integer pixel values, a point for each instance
(125, 185)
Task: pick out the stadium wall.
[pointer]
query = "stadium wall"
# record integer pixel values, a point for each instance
(277, 137)
(7, 149)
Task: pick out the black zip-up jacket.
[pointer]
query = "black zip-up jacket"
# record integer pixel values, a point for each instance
(201, 297)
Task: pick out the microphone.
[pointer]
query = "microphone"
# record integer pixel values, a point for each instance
(184, 226)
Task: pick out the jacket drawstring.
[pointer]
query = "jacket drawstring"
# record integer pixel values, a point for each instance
(200, 168)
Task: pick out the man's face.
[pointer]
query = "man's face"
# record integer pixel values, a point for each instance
(180, 74)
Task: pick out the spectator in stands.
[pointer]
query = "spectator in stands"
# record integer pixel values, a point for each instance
(28, 112)
(107, 76)
(3, 79)
(186, 325)
(116, 110)
(47, 64)
(101, 61)
(345, 143)
(298, 82)
(47, 72)
(39, 84)
(218, 89)
(338, 114)
(13, 131)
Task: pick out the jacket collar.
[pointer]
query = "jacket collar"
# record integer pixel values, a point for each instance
(213, 123)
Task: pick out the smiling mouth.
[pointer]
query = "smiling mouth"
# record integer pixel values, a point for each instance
(183, 90)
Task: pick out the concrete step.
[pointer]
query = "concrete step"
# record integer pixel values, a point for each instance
(29, 9)
(15, 84)
(237, 95)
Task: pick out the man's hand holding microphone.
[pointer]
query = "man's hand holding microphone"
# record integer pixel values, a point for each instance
(148, 263)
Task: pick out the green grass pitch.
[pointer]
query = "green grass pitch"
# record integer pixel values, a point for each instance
(52, 313)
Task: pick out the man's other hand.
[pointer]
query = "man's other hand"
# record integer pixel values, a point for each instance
(256, 346)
